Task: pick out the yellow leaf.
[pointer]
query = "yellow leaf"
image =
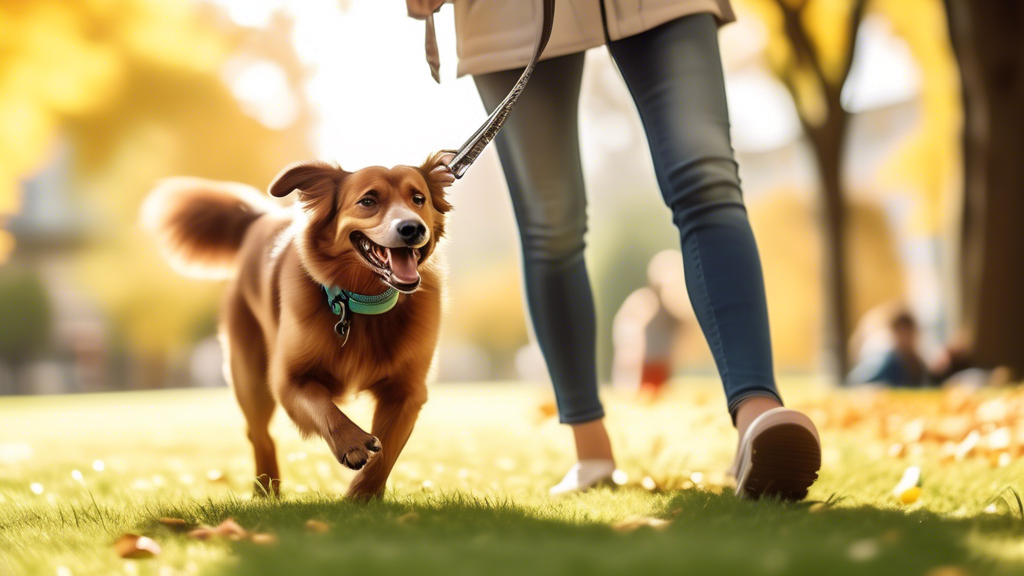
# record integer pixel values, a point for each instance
(910, 495)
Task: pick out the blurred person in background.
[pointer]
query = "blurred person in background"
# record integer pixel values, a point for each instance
(649, 325)
(898, 363)
(667, 53)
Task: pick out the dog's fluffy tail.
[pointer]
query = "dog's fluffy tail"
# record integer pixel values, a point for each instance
(200, 224)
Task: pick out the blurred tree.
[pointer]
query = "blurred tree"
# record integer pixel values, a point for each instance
(142, 90)
(986, 39)
(811, 51)
(24, 319)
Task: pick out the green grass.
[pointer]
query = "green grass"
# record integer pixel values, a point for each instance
(469, 494)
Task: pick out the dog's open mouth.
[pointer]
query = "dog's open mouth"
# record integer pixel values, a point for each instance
(397, 267)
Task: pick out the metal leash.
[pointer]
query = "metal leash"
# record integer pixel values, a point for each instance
(470, 151)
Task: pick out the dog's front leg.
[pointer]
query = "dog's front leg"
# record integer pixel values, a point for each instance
(393, 420)
(311, 407)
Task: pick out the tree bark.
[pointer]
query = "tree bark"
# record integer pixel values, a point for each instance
(828, 150)
(986, 40)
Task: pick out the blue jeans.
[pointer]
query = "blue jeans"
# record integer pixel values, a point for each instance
(674, 74)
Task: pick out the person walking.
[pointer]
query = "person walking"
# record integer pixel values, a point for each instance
(668, 55)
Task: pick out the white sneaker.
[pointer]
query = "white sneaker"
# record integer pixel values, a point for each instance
(584, 475)
(779, 456)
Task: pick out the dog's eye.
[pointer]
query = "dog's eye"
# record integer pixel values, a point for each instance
(367, 202)
(419, 199)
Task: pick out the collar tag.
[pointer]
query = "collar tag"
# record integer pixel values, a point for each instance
(344, 303)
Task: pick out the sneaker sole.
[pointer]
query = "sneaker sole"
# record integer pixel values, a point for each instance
(784, 462)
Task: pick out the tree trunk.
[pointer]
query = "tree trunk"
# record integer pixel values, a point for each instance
(828, 148)
(986, 40)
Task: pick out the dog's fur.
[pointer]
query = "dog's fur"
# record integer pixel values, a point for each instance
(277, 328)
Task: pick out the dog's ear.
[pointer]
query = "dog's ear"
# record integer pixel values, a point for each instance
(313, 179)
(438, 179)
(432, 173)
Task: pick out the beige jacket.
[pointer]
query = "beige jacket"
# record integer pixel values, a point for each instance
(495, 35)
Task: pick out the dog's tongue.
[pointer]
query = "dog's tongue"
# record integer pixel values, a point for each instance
(403, 265)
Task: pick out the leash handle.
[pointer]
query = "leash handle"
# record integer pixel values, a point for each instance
(471, 149)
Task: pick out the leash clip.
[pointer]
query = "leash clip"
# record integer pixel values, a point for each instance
(342, 328)
(339, 305)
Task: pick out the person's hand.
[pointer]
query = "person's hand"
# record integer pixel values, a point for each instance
(420, 9)
(441, 174)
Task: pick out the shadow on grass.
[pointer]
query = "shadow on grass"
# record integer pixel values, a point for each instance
(709, 534)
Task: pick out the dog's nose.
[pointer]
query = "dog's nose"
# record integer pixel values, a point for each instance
(412, 231)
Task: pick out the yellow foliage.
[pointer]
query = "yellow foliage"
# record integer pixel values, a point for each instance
(828, 22)
(929, 161)
(133, 86)
(60, 61)
(27, 130)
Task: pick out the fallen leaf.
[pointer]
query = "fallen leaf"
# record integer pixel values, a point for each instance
(910, 495)
(994, 410)
(546, 410)
(174, 523)
(228, 529)
(231, 529)
(317, 527)
(913, 431)
(911, 478)
(203, 533)
(999, 439)
(407, 517)
(897, 450)
(634, 522)
(953, 427)
(135, 546)
(264, 539)
(965, 448)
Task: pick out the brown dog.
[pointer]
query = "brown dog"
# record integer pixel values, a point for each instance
(367, 232)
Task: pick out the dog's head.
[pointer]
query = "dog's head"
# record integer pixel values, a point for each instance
(370, 226)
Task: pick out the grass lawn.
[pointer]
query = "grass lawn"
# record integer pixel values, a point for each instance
(469, 494)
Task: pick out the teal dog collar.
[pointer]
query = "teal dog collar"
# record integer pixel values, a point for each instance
(344, 303)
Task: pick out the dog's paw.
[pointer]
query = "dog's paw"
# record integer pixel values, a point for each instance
(358, 453)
